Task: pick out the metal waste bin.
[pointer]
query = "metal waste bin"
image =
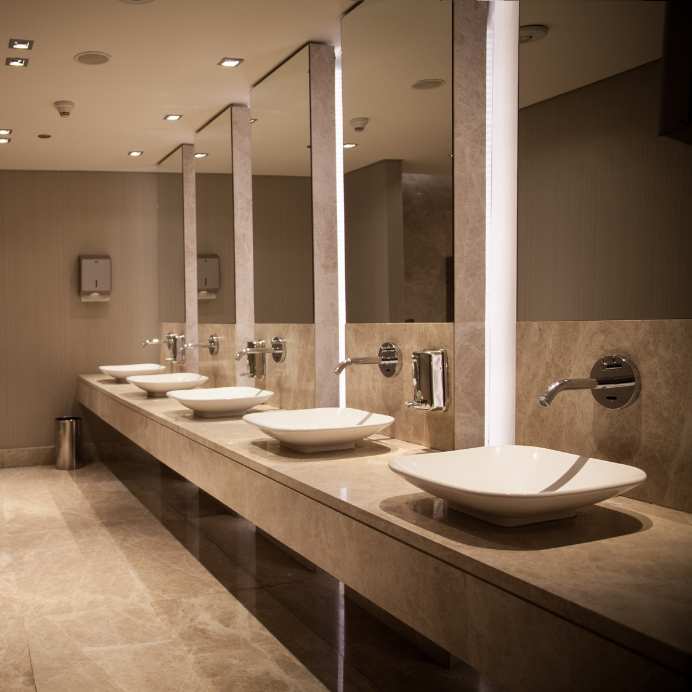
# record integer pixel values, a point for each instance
(67, 442)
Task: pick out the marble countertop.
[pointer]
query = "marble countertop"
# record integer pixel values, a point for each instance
(622, 569)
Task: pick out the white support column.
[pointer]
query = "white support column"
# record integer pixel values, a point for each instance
(501, 225)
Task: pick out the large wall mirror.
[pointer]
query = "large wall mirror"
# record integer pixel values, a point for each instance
(171, 241)
(282, 194)
(215, 241)
(604, 184)
(397, 101)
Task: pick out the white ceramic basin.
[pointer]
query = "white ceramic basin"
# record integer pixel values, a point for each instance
(319, 429)
(513, 485)
(120, 373)
(221, 401)
(160, 385)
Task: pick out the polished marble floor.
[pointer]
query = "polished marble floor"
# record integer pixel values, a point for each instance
(127, 577)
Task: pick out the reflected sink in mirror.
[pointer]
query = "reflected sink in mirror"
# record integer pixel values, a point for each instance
(514, 485)
(319, 429)
(217, 402)
(160, 385)
(120, 373)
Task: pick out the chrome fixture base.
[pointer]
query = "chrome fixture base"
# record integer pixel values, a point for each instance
(619, 383)
(389, 359)
(278, 349)
(256, 352)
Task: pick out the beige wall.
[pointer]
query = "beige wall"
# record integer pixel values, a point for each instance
(374, 243)
(215, 237)
(604, 206)
(282, 225)
(47, 219)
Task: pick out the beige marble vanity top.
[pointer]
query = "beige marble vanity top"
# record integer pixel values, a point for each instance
(622, 569)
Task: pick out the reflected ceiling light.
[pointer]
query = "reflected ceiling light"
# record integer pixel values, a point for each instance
(17, 62)
(135, 153)
(5, 131)
(92, 57)
(21, 43)
(350, 145)
(430, 83)
(201, 154)
(229, 62)
(532, 32)
(172, 117)
(253, 120)
(5, 140)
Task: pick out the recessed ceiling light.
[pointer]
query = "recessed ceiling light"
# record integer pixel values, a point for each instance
(17, 62)
(532, 32)
(433, 83)
(135, 154)
(21, 43)
(5, 131)
(201, 155)
(44, 135)
(137, 2)
(253, 120)
(172, 117)
(229, 62)
(350, 145)
(92, 57)
(5, 140)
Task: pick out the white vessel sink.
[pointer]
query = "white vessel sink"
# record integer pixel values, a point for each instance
(319, 429)
(221, 401)
(120, 373)
(160, 385)
(513, 485)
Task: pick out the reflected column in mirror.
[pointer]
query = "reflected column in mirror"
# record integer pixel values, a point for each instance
(282, 226)
(171, 257)
(215, 246)
(398, 195)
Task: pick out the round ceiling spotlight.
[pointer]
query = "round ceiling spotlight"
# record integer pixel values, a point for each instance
(44, 135)
(532, 32)
(92, 57)
(428, 84)
(137, 2)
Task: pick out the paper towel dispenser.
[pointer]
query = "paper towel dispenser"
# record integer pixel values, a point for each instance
(95, 278)
(208, 276)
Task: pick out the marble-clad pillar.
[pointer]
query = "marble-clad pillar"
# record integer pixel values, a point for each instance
(324, 215)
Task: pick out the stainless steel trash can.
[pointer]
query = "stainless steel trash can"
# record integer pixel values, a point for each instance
(67, 442)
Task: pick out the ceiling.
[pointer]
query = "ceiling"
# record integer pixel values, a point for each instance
(164, 56)
(587, 41)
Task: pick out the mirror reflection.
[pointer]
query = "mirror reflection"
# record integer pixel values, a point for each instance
(398, 187)
(171, 241)
(215, 240)
(282, 194)
(604, 181)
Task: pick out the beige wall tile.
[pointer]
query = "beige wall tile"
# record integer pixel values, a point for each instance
(368, 389)
(654, 434)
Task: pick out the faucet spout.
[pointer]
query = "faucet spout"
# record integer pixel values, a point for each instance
(555, 388)
(355, 361)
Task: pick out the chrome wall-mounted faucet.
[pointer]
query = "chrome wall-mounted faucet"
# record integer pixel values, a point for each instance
(614, 383)
(175, 344)
(212, 344)
(388, 359)
(256, 352)
(430, 388)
